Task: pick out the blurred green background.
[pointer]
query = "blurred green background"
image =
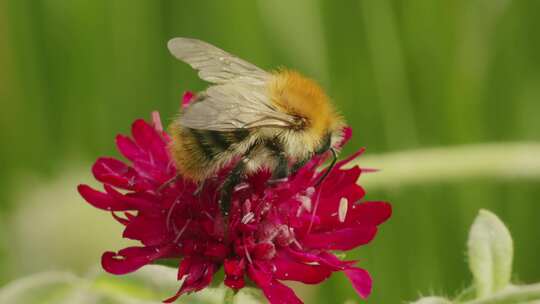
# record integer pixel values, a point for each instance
(406, 74)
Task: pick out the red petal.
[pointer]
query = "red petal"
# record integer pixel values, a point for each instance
(305, 257)
(347, 134)
(148, 139)
(350, 158)
(130, 259)
(264, 251)
(152, 171)
(148, 153)
(369, 213)
(199, 275)
(114, 172)
(322, 258)
(187, 98)
(216, 251)
(360, 279)
(133, 201)
(150, 231)
(101, 200)
(329, 206)
(365, 214)
(337, 180)
(121, 220)
(341, 239)
(235, 282)
(275, 292)
(107, 166)
(289, 269)
(234, 267)
(128, 148)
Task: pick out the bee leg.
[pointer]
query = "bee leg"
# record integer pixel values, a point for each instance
(299, 164)
(281, 171)
(232, 180)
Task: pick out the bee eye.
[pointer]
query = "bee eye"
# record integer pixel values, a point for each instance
(324, 145)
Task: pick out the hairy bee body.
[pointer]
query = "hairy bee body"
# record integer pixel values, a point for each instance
(200, 153)
(249, 117)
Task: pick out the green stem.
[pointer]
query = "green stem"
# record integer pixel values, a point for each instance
(493, 160)
(229, 296)
(512, 295)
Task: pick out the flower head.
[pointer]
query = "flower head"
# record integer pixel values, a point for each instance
(276, 233)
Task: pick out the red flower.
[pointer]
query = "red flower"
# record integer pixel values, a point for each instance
(273, 233)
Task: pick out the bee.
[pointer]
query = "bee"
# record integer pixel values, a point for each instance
(252, 118)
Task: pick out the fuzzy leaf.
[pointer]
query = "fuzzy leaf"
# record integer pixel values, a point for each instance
(149, 285)
(432, 300)
(48, 287)
(490, 254)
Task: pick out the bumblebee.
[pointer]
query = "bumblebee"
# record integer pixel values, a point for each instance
(249, 117)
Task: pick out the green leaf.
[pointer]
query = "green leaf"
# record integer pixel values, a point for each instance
(250, 295)
(48, 287)
(523, 294)
(490, 254)
(229, 296)
(149, 285)
(466, 294)
(432, 300)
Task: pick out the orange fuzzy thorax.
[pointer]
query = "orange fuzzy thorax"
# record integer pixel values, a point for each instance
(303, 97)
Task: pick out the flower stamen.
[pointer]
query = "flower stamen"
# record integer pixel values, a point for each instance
(248, 256)
(247, 218)
(315, 209)
(170, 212)
(342, 210)
(182, 231)
(156, 121)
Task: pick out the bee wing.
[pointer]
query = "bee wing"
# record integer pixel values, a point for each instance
(234, 106)
(237, 101)
(214, 64)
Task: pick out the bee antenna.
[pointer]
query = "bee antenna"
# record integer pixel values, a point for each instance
(332, 164)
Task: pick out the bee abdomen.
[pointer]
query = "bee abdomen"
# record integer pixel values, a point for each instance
(219, 140)
(239, 135)
(213, 143)
(198, 153)
(202, 143)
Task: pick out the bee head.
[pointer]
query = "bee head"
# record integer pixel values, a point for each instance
(325, 144)
(300, 122)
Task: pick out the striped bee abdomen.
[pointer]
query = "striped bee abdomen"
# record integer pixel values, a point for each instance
(198, 153)
(213, 143)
